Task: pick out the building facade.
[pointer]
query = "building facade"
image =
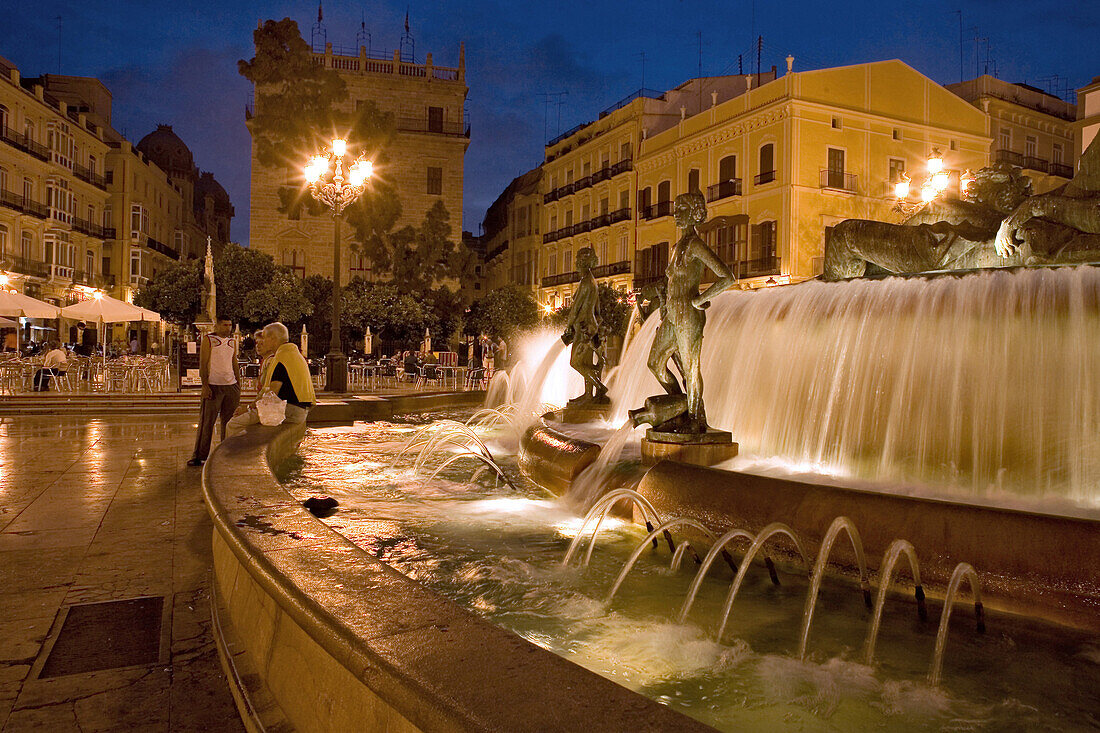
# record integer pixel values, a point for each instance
(81, 209)
(1088, 115)
(511, 235)
(424, 161)
(1028, 128)
(778, 162)
(53, 194)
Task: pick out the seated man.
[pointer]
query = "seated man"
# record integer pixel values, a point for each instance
(285, 373)
(55, 364)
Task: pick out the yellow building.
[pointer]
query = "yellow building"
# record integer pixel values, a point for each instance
(790, 158)
(53, 193)
(1028, 128)
(1088, 115)
(512, 234)
(425, 160)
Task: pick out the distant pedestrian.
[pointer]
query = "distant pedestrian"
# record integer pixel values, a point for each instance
(134, 344)
(55, 364)
(221, 386)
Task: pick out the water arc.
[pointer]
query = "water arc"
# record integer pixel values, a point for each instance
(963, 571)
(663, 527)
(840, 524)
(894, 552)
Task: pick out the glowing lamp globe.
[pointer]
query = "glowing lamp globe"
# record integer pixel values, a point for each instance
(935, 162)
(927, 192)
(359, 173)
(940, 181)
(965, 180)
(339, 147)
(901, 188)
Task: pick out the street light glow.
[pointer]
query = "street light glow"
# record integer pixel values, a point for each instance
(339, 147)
(935, 162)
(940, 181)
(901, 188)
(360, 171)
(315, 168)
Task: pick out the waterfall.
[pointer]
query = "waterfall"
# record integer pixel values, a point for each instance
(985, 384)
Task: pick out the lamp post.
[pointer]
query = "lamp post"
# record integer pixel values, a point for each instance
(325, 174)
(933, 186)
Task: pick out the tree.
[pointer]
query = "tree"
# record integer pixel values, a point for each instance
(418, 257)
(502, 312)
(237, 272)
(283, 299)
(175, 292)
(318, 291)
(445, 311)
(385, 309)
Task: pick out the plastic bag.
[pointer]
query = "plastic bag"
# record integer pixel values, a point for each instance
(271, 409)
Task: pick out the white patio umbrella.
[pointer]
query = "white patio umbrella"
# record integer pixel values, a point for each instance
(103, 309)
(23, 306)
(8, 323)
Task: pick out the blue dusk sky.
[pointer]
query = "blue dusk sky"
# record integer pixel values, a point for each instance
(176, 62)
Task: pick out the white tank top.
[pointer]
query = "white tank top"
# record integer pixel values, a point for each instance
(222, 354)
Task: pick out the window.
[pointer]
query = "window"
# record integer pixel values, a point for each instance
(26, 246)
(3, 179)
(836, 123)
(60, 200)
(89, 262)
(435, 181)
(552, 265)
(295, 260)
(553, 222)
(108, 220)
(624, 199)
(624, 247)
(953, 145)
(586, 213)
(28, 130)
(567, 260)
(767, 240)
(360, 267)
(435, 119)
(897, 170)
(624, 151)
(179, 242)
(1055, 157)
(644, 198)
(28, 189)
(569, 217)
(91, 163)
(766, 168)
(139, 221)
(586, 170)
(3, 240)
(897, 134)
(1031, 147)
(605, 160)
(91, 213)
(3, 118)
(59, 140)
(727, 169)
(604, 206)
(1005, 139)
(664, 191)
(693, 180)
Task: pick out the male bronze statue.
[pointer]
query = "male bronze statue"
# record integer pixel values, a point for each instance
(683, 315)
(582, 332)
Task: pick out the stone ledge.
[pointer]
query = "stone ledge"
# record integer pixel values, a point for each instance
(343, 642)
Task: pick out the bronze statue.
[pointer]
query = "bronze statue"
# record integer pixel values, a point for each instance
(582, 332)
(683, 315)
(997, 223)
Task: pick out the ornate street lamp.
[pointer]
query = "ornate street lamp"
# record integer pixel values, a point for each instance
(934, 184)
(336, 184)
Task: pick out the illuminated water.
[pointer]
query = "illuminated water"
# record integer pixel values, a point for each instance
(498, 552)
(983, 387)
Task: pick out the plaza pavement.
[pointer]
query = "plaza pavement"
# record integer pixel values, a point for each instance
(101, 510)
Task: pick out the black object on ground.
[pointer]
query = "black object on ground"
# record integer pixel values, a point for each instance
(321, 506)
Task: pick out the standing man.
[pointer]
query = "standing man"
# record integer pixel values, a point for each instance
(221, 385)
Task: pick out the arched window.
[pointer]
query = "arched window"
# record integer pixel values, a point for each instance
(766, 169)
(3, 241)
(664, 191)
(89, 262)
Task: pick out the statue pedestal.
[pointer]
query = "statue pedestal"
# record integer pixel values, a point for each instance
(704, 449)
(583, 412)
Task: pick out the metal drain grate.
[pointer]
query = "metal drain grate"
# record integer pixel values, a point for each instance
(97, 636)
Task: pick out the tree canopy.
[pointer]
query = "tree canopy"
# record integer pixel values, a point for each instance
(385, 308)
(175, 292)
(502, 312)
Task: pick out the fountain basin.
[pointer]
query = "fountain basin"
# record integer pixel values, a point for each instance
(1034, 564)
(315, 634)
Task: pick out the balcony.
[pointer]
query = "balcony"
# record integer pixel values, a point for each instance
(768, 265)
(26, 266)
(724, 190)
(598, 222)
(582, 183)
(1008, 156)
(622, 166)
(583, 226)
(657, 210)
(162, 248)
(87, 174)
(496, 251)
(59, 272)
(434, 127)
(550, 196)
(613, 268)
(766, 177)
(24, 143)
(603, 174)
(91, 228)
(618, 215)
(1061, 169)
(91, 279)
(563, 279)
(1036, 164)
(838, 180)
(24, 204)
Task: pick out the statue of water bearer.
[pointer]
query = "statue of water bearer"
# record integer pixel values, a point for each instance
(584, 334)
(679, 420)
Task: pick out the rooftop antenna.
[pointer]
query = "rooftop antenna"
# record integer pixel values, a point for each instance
(642, 54)
(407, 41)
(548, 98)
(759, 50)
(362, 38)
(59, 44)
(319, 32)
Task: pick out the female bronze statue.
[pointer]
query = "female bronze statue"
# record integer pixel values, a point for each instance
(683, 315)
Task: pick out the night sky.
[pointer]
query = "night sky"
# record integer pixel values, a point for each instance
(175, 62)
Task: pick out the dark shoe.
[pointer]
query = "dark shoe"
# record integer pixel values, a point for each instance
(195, 462)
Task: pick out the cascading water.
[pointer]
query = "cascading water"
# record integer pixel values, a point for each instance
(986, 384)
